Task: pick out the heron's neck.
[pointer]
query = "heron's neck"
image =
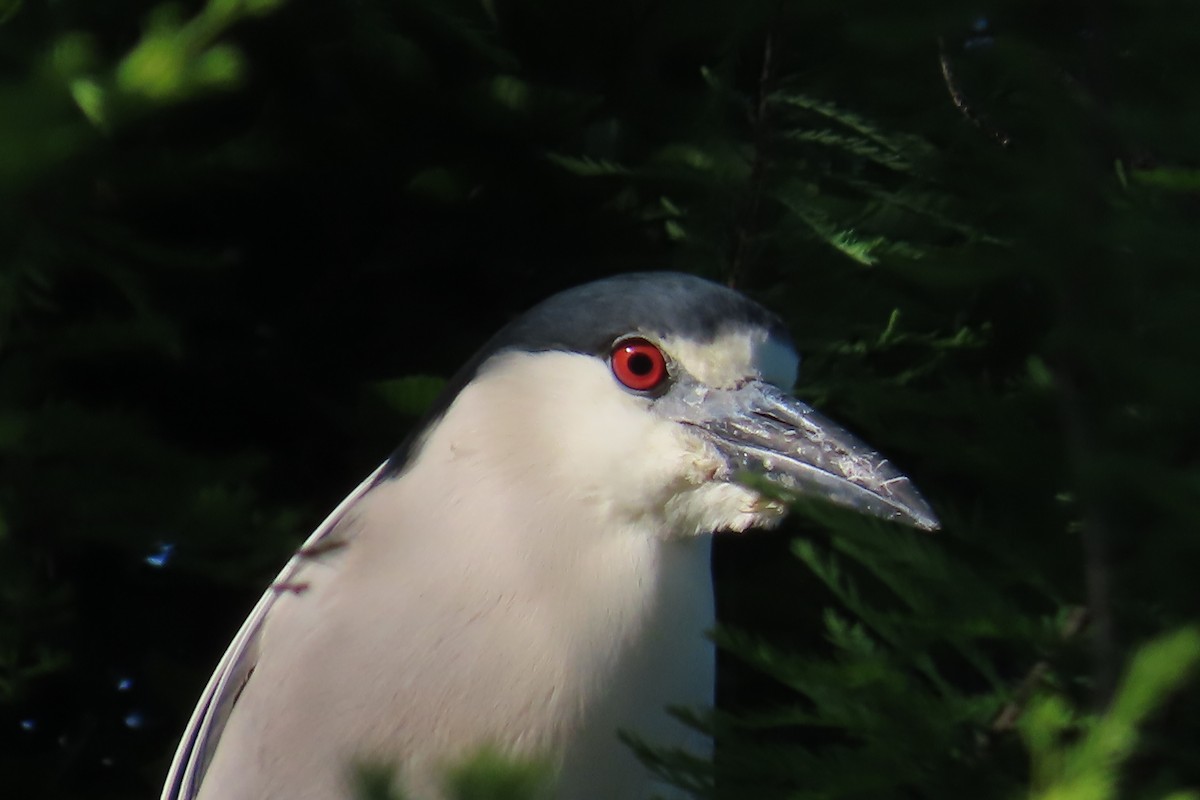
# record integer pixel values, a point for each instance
(590, 629)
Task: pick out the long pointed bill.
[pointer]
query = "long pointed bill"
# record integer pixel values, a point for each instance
(759, 429)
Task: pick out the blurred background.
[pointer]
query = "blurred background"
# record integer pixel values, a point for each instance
(243, 243)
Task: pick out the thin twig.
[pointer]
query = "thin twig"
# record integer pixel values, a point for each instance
(950, 78)
(1012, 711)
(746, 233)
(1094, 537)
(1098, 530)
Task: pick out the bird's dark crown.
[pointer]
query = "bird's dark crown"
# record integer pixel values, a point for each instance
(589, 318)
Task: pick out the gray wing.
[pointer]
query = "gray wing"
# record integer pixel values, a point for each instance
(204, 729)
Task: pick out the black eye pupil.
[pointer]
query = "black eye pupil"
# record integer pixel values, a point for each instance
(640, 364)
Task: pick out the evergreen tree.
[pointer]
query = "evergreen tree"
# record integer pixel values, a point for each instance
(243, 241)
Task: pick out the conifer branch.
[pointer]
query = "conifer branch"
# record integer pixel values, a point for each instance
(1008, 717)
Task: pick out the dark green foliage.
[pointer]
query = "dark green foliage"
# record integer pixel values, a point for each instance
(239, 239)
(1076, 757)
(490, 776)
(486, 775)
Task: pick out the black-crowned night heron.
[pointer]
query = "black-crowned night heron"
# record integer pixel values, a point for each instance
(531, 570)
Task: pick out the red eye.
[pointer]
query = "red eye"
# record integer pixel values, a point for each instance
(638, 364)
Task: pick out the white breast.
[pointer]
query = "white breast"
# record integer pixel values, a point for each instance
(437, 630)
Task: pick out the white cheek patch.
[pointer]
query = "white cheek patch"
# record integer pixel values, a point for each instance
(733, 356)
